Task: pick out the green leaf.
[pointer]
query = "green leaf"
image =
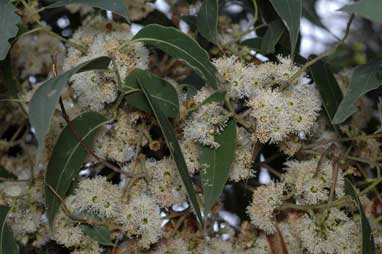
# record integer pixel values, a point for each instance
(116, 6)
(8, 243)
(44, 100)
(162, 92)
(8, 26)
(330, 91)
(254, 43)
(176, 153)
(5, 174)
(207, 20)
(290, 11)
(217, 96)
(272, 36)
(368, 246)
(365, 78)
(216, 164)
(9, 81)
(100, 234)
(179, 45)
(67, 158)
(310, 13)
(370, 9)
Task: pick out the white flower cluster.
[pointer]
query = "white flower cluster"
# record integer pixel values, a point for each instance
(311, 180)
(280, 108)
(265, 200)
(94, 89)
(99, 199)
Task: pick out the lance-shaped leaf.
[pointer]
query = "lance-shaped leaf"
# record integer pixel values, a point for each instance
(5, 174)
(216, 164)
(207, 20)
(371, 9)
(116, 6)
(272, 36)
(368, 246)
(179, 45)
(161, 91)
(8, 26)
(173, 145)
(309, 12)
(45, 99)
(67, 158)
(217, 96)
(8, 243)
(330, 91)
(290, 11)
(365, 78)
(100, 234)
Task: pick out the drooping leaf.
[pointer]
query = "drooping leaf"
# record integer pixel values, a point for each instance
(207, 20)
(45, 99)
(309, 12)
(67, 158)
(330, 91)
(116, 6)
(179, 45)
(371, 9)
(176, 153)
(100, 234)
(216, 164)
(365, 78)
(5, 174)
(367, 246)
(272, 36)
(8, 243)
(290, 11)
(8, 26)
(161, 91)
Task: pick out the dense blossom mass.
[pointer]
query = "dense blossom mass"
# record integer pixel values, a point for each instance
(284, 188)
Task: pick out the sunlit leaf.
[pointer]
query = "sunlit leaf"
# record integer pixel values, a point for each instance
(365, 78)
(67, 158)
(8, 243)
(8, 26)
(216, 164)
(179, 45)
(45, 99)
(176, 153)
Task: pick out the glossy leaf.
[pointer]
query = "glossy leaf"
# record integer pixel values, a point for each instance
(368, 246)
(290, 11)
(161, 91)
(8, 26)
(365, 78)
(207, 20)
(100, 234)
(330, 91)
(272, 36)
(216, 164)
(217, 96)
(5, 174)
(173, 145)
(179, 45)
(371, 9)
(8, 243)
(45, 99)
(116, 6)
(67, 158)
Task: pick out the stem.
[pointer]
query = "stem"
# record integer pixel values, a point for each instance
(323, 55)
